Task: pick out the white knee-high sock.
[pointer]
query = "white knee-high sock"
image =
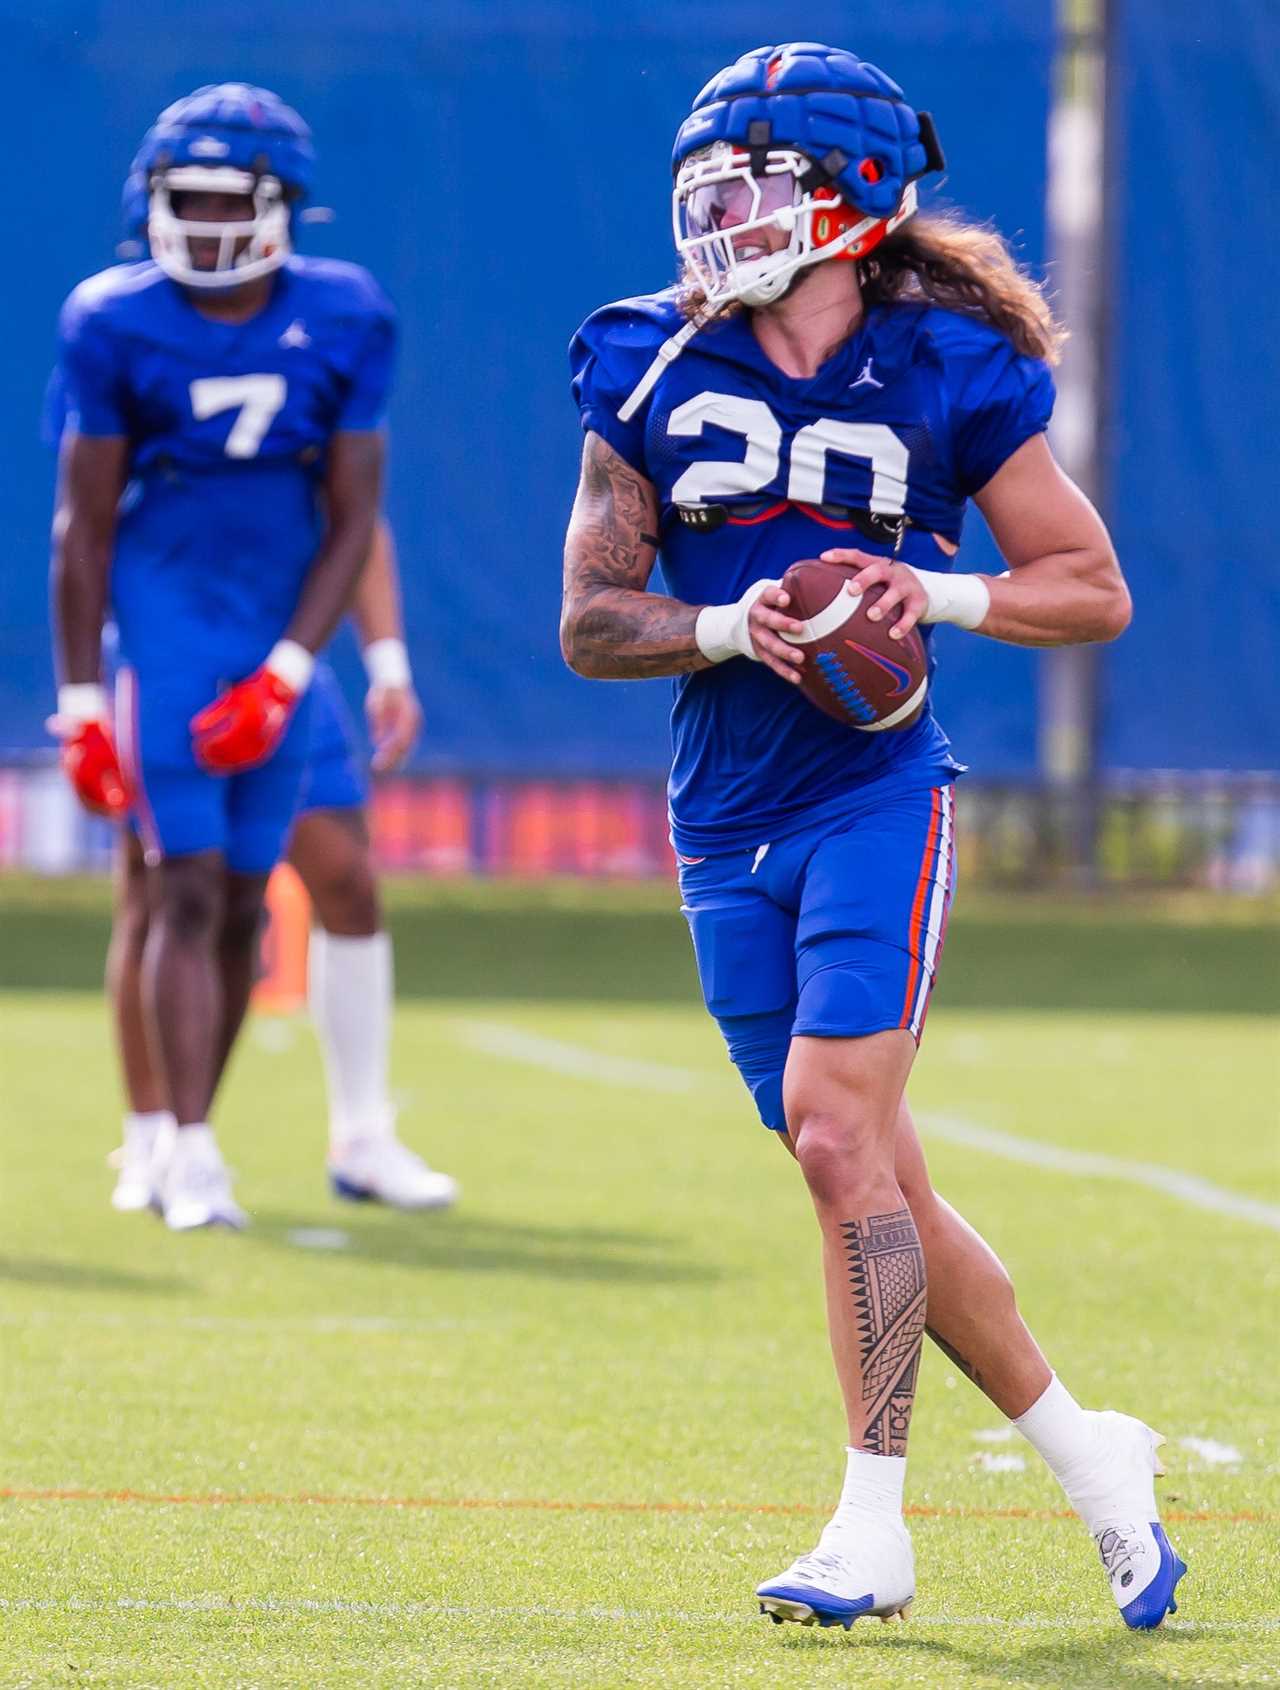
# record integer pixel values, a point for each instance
(349, 991)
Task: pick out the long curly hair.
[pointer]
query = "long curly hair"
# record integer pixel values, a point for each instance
(941, 259)
(938, 258)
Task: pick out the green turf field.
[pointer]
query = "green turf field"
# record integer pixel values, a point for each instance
(555, 1438)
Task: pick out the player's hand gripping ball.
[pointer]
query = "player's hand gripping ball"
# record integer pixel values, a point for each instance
(91, 764)
(243, 725)
(854, 669)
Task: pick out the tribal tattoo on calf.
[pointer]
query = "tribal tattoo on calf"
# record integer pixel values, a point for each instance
(886, 1272)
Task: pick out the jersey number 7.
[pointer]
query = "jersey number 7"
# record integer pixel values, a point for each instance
(259, 400)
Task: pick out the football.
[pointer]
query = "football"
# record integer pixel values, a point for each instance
(853, 670)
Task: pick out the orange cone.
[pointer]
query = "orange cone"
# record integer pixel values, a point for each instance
(282, 986)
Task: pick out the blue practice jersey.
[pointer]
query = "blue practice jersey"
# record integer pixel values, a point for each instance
(228, 428)
(754, 470)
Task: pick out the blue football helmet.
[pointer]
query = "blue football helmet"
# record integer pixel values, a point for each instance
(226, 138)
(803, 141)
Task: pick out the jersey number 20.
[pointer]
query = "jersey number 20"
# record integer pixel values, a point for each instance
(258, 399)
(810, 446)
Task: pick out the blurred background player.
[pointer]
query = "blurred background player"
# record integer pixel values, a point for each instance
(220, 477)
(830, 366)
(349, 958)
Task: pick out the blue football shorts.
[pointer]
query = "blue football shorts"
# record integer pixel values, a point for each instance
(834, 932)
(180, 807)
(335, 777)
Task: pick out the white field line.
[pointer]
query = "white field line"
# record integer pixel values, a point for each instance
(538, 1610)
(492, 1038)
(1092, 1164)
(985, 1462)
(579, 1062)
(268, 1326)
(1212, 1453)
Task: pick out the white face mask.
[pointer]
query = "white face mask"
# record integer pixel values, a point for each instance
(247, 248)
(719, 204)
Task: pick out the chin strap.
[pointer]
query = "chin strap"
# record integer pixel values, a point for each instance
(667, 353)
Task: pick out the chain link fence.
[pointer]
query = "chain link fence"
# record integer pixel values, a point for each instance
(1211, 832)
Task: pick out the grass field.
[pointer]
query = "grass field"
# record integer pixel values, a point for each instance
(555, 1438)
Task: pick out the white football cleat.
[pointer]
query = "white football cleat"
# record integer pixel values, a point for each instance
(1116, 1499)
(197, 1185)
(862, 1565)
(382, 1170)
(135, 1164)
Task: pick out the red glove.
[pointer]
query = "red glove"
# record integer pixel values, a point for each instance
(89, 758)
(244, 725)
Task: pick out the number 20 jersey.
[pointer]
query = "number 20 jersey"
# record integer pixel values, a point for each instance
(228, 427)
(754, 470)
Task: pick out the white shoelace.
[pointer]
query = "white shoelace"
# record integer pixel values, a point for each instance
(821, 1561)
(1119, 1547)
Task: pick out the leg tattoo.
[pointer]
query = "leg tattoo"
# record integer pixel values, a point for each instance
(886, 1271)
(952, 1354)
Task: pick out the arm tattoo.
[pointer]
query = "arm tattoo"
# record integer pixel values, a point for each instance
(953, 1355)
(886, 1271)
(611, 626)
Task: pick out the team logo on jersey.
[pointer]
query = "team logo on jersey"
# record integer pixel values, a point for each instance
(296, 334)
(865, 377)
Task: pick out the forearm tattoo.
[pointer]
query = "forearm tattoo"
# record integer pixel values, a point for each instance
(886, 1272)
(611, 627)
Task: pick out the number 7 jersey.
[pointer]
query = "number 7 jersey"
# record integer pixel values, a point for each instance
(228, 427)
(754, 469)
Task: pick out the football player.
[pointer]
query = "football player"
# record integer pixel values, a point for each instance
(349, 956)
(837, 374)
(220, 476)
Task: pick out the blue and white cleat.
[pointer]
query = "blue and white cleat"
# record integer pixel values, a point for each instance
(138, 1169)
(1144, 1570)
(859, 1567)
(383, 1170)
(196, 1189)
(1118, 1504)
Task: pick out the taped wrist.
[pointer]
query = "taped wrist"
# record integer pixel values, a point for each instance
(961, 599)
(82, 701)
(721, 630)
(291, 663)
(386, 662)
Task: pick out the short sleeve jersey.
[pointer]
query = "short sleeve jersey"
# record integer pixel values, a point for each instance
(228, 428)
(753, 470)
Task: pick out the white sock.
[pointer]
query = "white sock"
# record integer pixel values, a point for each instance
(1061, 1431)
(873, 1484)
(192, 1141)
(144, 1124)
(349, 991)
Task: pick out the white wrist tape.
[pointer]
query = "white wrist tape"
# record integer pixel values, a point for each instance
(721, 629)
(292, 663)
(386, 662)
(82, 701)
(962, 599)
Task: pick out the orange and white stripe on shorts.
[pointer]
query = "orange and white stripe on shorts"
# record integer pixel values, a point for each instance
(929, 907)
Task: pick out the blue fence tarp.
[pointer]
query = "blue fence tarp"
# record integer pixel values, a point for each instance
(504, 169)
(1191, 403)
